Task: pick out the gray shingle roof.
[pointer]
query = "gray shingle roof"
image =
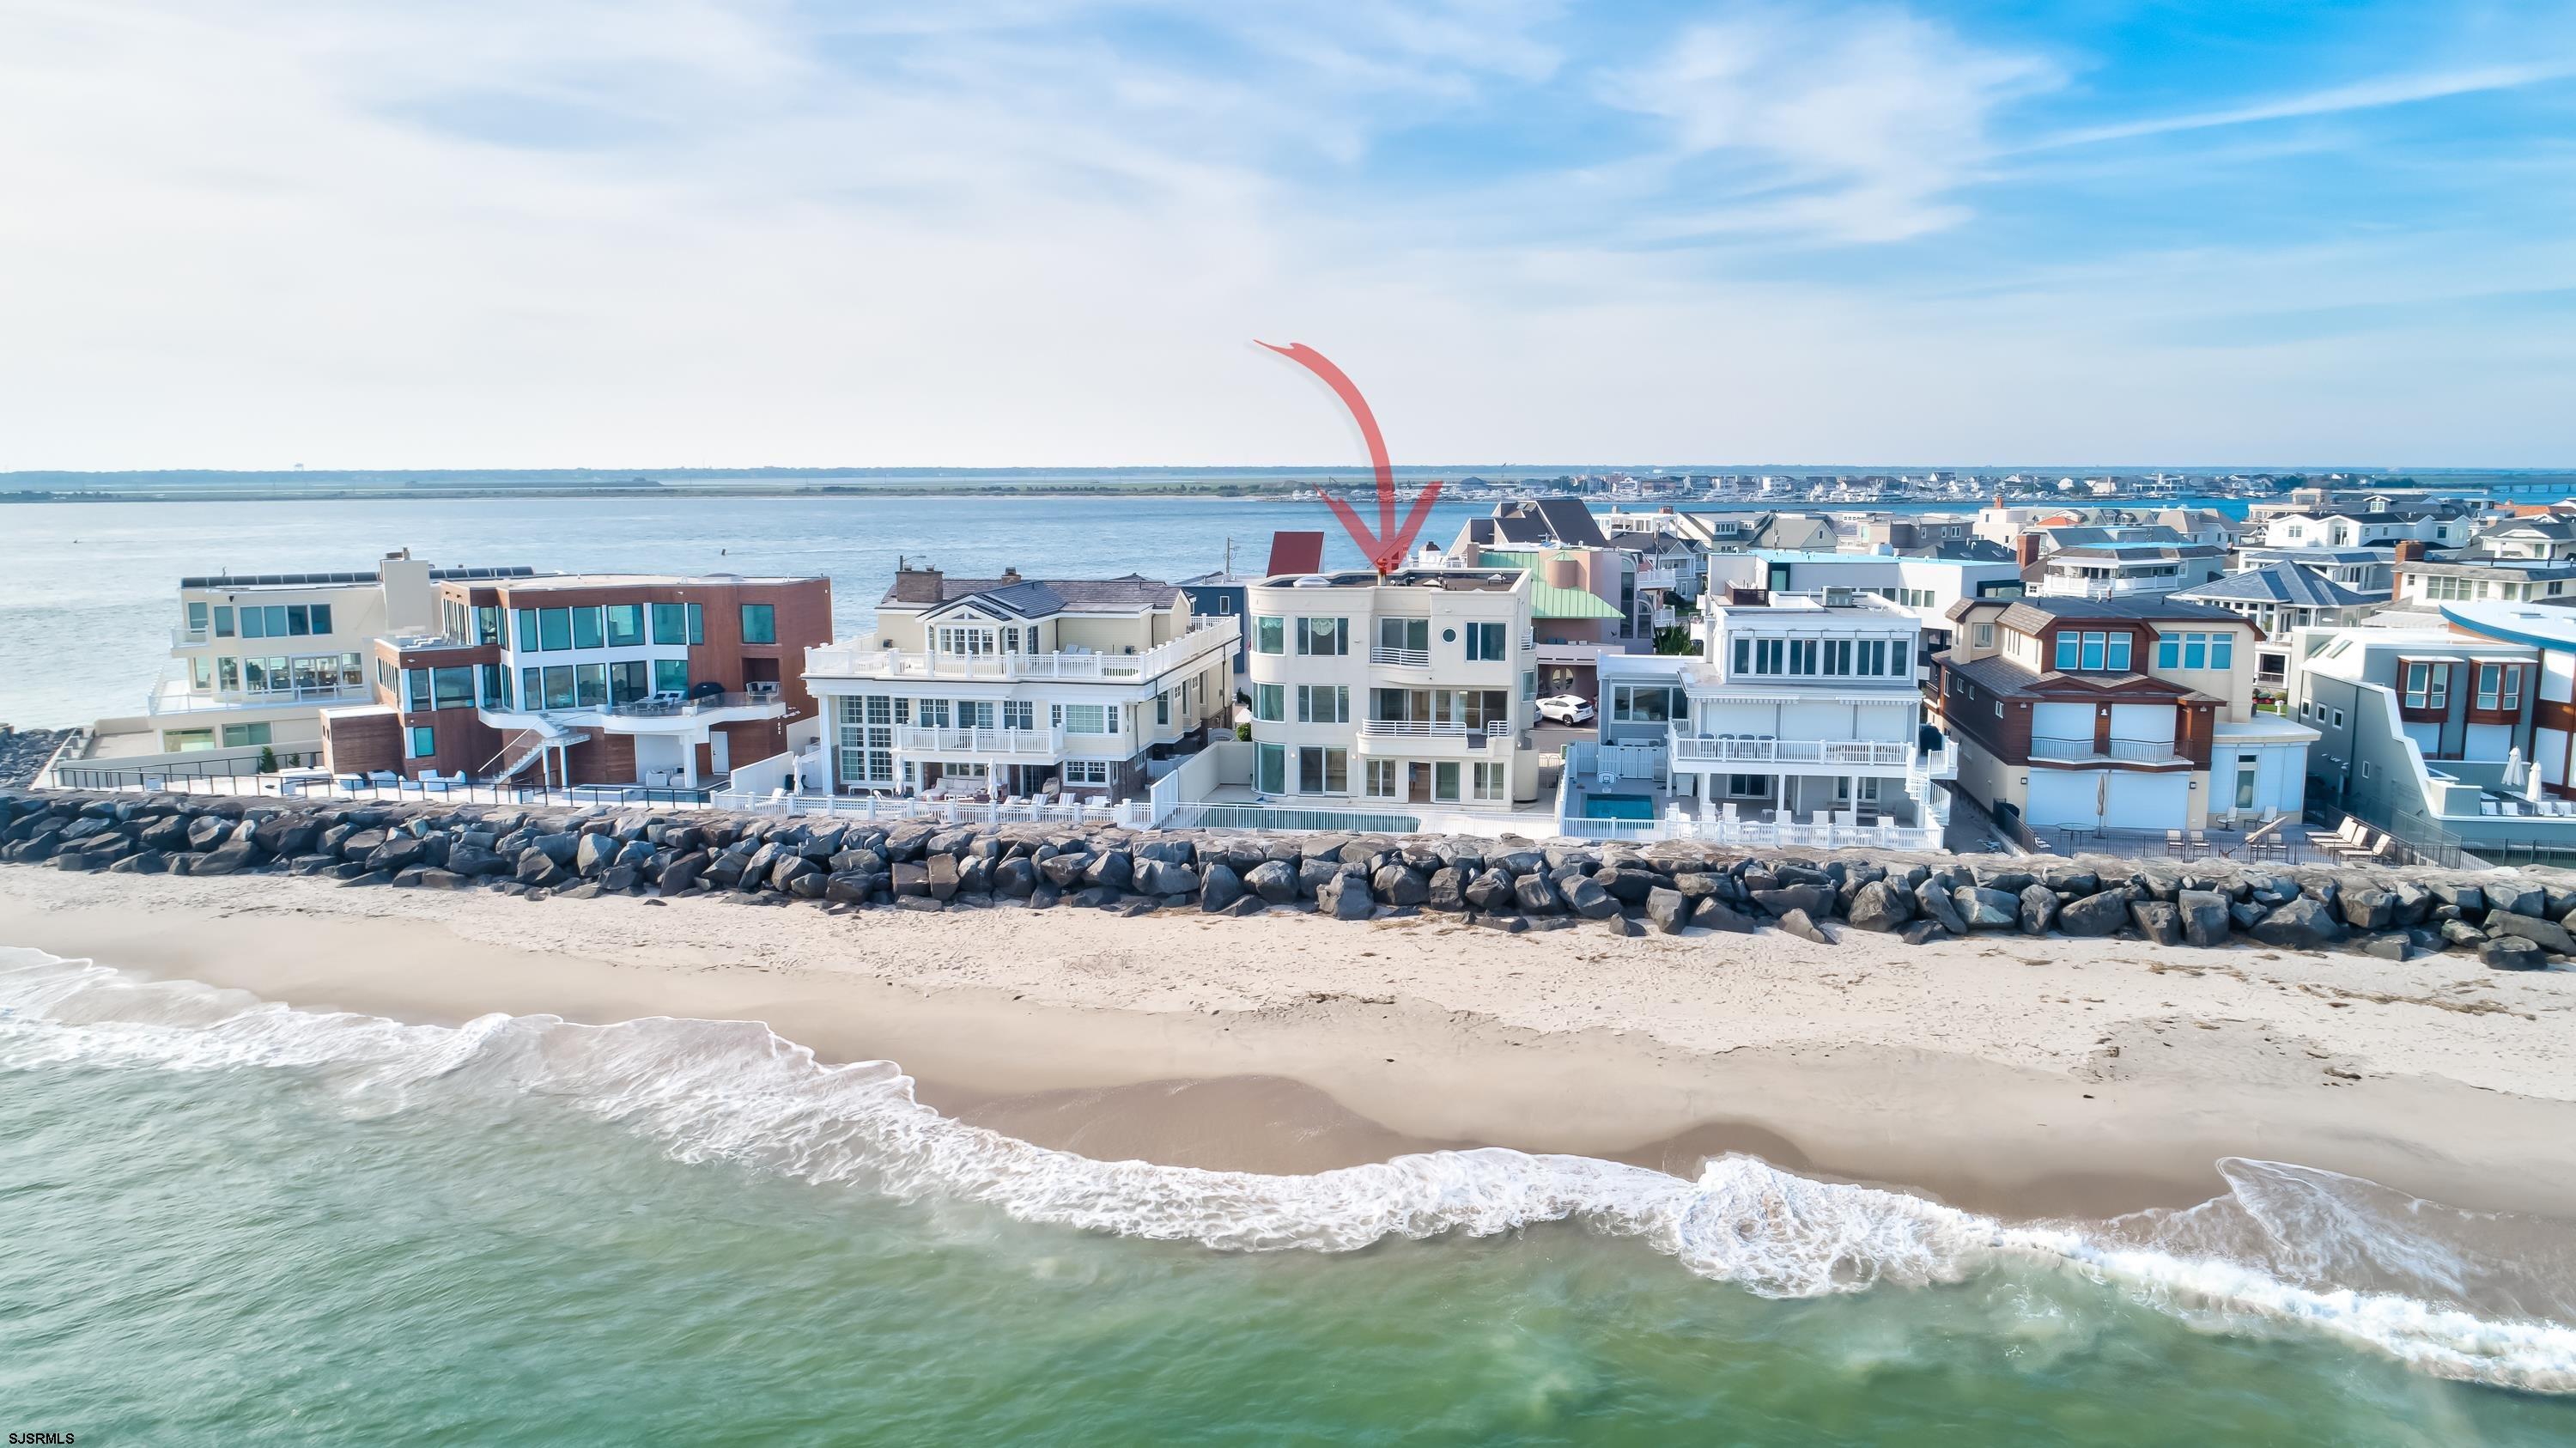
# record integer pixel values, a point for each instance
(2282, 583)
(1035, 597)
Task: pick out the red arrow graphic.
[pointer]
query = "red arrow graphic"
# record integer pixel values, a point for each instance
(1385, 548)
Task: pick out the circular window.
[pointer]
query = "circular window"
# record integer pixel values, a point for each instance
(1448, 635)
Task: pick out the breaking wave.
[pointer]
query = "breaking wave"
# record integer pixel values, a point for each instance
(2475, 1296)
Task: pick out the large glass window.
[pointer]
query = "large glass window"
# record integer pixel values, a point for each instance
(1486, 643)
(1323, 704)
(496, 686)
(1493, 782)
(625, 625)
(1086, 719)
(1323, 637)
(759, 623)
(487, 624)
(420, 741)
(299, 619)
(1405, 633)
(1270, 768)
(1444, 781)
(223, 621)
(197, 619)
(242, 736)
(1270, 703)
(1647, 704)
(554, 629)
(254, 623)
(1324, 771)
(532, 688)
(670, 623)
(527, 621)
(670, 676)
(629, 681)
(276, 618)
(590, 685)
(452, 688)
(559, 686)
(2118, 660)
(586, 630)
(227, 673)
(415, 688)
(1269, 635)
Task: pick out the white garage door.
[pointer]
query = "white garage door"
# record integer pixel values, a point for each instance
(2060, 797)
(2148, 802)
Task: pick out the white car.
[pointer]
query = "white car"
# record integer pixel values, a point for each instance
(1565, 709)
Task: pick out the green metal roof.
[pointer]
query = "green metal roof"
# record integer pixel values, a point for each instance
(1547, 600)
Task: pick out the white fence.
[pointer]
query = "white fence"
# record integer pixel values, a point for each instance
(1134, 814)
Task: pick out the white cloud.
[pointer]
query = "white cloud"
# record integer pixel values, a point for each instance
(1856, 124)
(2379, 91)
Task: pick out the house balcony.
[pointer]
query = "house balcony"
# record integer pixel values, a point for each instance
(175, 697)
(1824, 756)
(1417, 739)
(1383, 657)
(1664, 618)
(1666, 578)
(655, 714)
(1023, 745)
(866, 658)
(1581, 656)
(2088, 751)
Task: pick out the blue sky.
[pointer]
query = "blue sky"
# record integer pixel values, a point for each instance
(678, 232)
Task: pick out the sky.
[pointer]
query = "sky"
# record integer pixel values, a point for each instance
(667, 233)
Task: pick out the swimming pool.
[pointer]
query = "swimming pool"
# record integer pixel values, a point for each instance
(1618, 807)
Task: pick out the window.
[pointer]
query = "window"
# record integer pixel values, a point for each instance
(1492, 782)
(1529, 683)
(227, 673)
(496, 687)
(299, 619)
(1019, 714)
(1270, 703)
(487, 623)
(586, 630)
(1323, 637)
(420, 741)
(197, 619)
(2222, 651)
(240, 736)
(1088, 719)
(2067, 645)
(670, 623)
(629, 680)
(559, 686)
(452, 688)
(1444, 782)
(1486, 643)
(759, 623)
(254, 624)
(201, 672)
(1647, 704)
(223, 622)
(1163, 708)
(180, 741)
(554, 629)
(1384, 778)
(1086, 771)
(1323, 704)
(277, 621)
(1270, 768)
(2244, 786)
(1269, 635)
(1411, 634)
(415, 685)
(933, 713)
(625, 625)
(1748, 786)
(2117, 660)
(1324, 771)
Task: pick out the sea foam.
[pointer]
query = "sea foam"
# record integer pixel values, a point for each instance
(2287, 1248)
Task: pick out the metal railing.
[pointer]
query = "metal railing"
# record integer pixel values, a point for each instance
(1724, 749)
(1419, 728)
(1032, 742)
(159, 702)
(1400, 658)
(2134, 751)
(662, 707)
(369, 788)
(865, 658)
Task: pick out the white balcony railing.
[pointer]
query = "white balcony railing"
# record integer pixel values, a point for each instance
(1426, 729)
(1023, 743)
(1400, 658)
(2127, 751)
(181, 638)
(865, 658)
(1659, 577)
(175, 701)
(1743, 749)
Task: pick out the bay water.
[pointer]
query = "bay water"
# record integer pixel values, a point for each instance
(223, 1221)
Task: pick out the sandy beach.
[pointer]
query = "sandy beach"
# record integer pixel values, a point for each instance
(2019, 1076)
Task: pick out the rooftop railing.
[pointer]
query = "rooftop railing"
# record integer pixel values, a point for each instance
(2127, 751)
(866, 658)
(1740, 749)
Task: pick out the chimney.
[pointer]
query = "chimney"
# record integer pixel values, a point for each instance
(2410, 551)
(917, 585)
(1010, 575)
(2025, 549)
(1565, 572)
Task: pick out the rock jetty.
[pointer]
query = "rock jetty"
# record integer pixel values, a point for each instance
(2508, 921)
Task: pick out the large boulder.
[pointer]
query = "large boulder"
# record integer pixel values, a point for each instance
(2100, 913)
(1816, 900)
(1400, 885)
(1536, 896)
(1491, 891)
(228, 858)
(683, 871)
(2158, 920)
(2301, 924)
(2205, 919)
(2512, 952)
(1013, 879)
(1447, 890)
(594, 852)
(1800, 924)
(1938, 906)
(1882, 906)
(1111, 870)
(2368, 908)
(1219, 886)
(1345, 896)
(1584, 896)
(2038, 909)
(1715, 914)
(1274, 881)
(1987, 909)
(2549, 935)
(1157, 876)
(1668, 910)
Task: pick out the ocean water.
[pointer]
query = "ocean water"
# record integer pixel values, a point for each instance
(88, 590)
(229, 1222)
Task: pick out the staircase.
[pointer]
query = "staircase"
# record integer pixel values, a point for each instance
(523, 747)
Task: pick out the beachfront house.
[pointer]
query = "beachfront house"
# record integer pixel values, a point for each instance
(254, 660)
(1414, 687)
(2279, 599)
(2119, 570)
(588, 679)
(1801, 709)
(1014, 687)
(1924, 587)
(2129, 714)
